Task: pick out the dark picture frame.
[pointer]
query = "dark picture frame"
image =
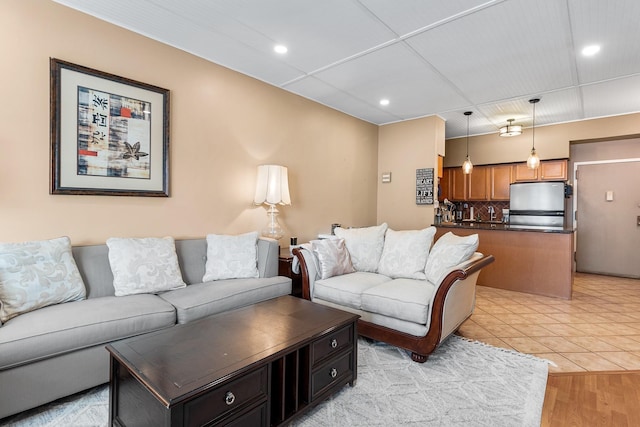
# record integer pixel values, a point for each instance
(109, 134)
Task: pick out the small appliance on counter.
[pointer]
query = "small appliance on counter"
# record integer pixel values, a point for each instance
(537, 204)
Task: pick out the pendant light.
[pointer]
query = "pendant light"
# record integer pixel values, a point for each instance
(533, 161)
(467, 166)
(510, 129)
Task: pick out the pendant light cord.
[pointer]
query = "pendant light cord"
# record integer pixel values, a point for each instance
(534, 101)
(468, 113)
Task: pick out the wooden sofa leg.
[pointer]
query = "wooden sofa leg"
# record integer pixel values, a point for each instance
(418, 357)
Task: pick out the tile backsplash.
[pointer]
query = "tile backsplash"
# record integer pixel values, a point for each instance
(482, 208)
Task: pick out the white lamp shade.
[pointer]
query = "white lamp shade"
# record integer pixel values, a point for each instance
(272, 185)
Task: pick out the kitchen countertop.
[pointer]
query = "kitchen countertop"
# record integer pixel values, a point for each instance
(502, 227)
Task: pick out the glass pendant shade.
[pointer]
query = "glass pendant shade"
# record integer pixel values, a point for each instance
(467, 166)
(533, 162)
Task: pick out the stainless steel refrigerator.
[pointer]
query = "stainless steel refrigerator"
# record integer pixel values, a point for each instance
(537, 205)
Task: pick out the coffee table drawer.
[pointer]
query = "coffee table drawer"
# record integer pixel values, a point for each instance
(332, 343)
(216, 403)
(333, 372)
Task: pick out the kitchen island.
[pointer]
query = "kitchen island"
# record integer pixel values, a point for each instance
(533, 260)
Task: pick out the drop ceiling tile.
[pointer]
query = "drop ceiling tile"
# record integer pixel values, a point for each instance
(456, 123)
(396, 73)
(614, 25)
(613, 97)
(492, 54)
(317, 33)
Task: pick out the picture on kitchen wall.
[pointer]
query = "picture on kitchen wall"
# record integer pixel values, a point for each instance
(109, 134)
(424, 186)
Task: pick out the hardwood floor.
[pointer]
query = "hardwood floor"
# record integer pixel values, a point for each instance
(592, 399)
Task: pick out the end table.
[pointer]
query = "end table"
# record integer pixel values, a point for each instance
(285, 262)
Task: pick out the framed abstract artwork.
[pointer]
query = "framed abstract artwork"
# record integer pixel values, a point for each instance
(109, 134)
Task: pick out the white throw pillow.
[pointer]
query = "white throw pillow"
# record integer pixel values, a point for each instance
(144, 265)
(37, 274)
(333, 257)
(231, 257)
(448, 251)
(364, 245)
(405, 252)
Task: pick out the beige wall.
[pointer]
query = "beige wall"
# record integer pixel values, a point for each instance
(402, 148)
(223, 125)
(552, 142)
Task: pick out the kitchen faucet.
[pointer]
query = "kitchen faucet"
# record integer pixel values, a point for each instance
(492, 213)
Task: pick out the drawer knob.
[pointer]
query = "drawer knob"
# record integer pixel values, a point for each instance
(334, 343)
(229, 398)
(333, 373)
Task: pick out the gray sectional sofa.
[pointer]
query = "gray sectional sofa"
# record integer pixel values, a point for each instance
(59, 350)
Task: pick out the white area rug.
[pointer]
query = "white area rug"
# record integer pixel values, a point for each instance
(464, 383)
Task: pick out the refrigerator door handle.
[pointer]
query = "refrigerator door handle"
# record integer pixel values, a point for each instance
(535, 213)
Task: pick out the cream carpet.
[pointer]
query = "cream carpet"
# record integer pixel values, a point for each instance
(464, 383)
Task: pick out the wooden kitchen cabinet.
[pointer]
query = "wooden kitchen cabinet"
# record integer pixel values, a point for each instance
(553, 170)
(445, 184)
(478, 183)
(465, 187)
(499, 182)
(459, 184)
(521, 173)
(549, 170)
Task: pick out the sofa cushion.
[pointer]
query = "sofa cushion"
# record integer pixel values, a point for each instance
(144, 265)
(405, 253)
(37, 274)
(403, 299)
(231, 257)
(203, 299)
(347, 289)
(364, 245)
(449, 251)
(333, 257)
(64, 328)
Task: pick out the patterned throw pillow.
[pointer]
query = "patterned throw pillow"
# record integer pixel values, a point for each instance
(364, 245)
(405, 253)
(448, 251)
(144, 265)
(231, 257)
(37, 274)
(333, 257)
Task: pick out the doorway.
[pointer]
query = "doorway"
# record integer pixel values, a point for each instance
(608, 218)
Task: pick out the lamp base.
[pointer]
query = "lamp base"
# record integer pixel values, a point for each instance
(273, 229)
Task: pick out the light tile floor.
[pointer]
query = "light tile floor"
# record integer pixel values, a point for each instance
(597, 330)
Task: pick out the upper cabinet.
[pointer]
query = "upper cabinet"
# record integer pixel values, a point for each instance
(553, 170)
(492, 182)
(478, 183)
(500, 182)
(549, 170)
(457, 186)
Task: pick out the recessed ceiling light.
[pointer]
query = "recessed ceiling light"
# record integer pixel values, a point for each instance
(279, 48)
(590, 50)
(384, 102)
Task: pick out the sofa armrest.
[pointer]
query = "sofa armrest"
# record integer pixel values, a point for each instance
(446, 315)
(308, 270)
(268, 253)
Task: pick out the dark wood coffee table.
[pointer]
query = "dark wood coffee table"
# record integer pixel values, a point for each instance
(260, 365)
